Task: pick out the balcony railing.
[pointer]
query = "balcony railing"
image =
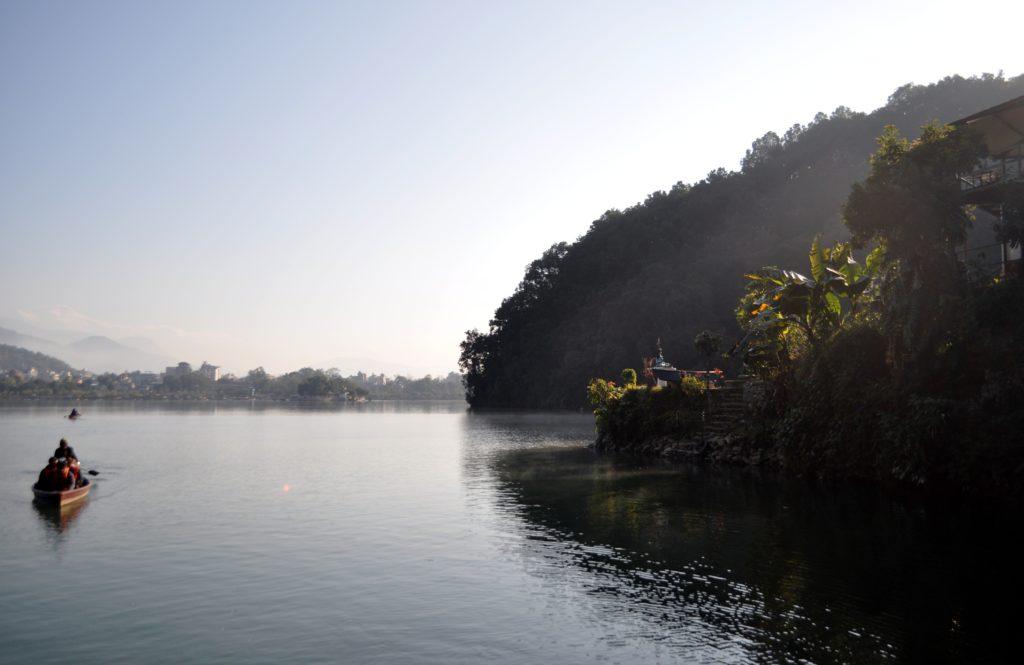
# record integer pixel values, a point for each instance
(992, 174)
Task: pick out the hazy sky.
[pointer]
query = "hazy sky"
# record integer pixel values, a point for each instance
(285, 183)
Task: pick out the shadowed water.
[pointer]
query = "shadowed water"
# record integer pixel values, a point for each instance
(392, 533)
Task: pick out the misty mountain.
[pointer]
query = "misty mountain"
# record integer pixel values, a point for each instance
(61, 336)
(31, 342)
(23, 360)
(142, 344)
(95, 353)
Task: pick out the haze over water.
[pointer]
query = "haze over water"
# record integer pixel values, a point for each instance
(398, 534)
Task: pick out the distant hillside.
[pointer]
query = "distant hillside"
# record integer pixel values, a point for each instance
(674, 265)
(22, 360)
(95, 353)
(15, 338)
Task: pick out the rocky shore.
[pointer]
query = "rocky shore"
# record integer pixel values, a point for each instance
(733, 449)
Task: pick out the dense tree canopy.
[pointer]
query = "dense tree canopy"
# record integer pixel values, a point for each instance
(904, 367)
(673, 265)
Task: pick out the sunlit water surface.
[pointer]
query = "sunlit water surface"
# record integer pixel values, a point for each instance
(393, 533)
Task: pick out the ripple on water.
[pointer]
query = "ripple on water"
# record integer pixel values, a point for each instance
(444, 537)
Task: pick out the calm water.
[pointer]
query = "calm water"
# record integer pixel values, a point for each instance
(423, 534)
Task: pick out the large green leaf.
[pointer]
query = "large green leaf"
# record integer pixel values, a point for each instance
(833, 304)
(874, 260)
(794, 304)
(858, 287)
(819, 261)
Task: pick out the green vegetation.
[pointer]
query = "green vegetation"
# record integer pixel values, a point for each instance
(633, 413)
(916, 374)
(902, 367)
(672, 265)
(17, 359)
(890, 358)
(783, 310)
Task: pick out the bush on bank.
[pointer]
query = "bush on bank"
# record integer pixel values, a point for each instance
(898, 363)
(631, 413)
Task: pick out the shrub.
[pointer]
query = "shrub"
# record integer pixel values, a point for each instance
(629, 377)
(631, 413)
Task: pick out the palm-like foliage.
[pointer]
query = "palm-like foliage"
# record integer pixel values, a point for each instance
(782, 303)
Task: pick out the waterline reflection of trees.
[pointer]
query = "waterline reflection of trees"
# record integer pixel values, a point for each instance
(726, 563)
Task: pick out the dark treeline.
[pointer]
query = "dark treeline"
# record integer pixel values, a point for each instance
(674, 264)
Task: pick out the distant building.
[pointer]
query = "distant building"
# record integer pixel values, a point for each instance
(211, 372)
(145, 379)
(181, 369)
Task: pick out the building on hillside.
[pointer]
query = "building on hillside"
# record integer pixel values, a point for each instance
(998, 179)
(211, 372)
(181, 369)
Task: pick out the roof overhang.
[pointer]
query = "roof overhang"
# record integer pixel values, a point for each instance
(1002, 126)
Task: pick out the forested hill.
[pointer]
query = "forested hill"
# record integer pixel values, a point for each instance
(13, 358)
(674, 264)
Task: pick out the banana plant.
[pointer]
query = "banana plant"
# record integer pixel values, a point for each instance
(778, 301)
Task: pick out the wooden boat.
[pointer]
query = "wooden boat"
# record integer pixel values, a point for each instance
(65, 497)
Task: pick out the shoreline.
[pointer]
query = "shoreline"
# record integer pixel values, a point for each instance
(728, 449)
(56, 399)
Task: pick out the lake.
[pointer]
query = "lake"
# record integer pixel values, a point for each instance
(420, 533)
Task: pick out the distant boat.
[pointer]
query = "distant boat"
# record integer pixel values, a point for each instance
(74, 414)
(64, 497)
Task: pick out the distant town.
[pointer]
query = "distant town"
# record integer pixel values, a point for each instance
(26, 374)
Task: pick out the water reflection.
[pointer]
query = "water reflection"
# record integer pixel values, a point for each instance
(727, 563)
(58, 519)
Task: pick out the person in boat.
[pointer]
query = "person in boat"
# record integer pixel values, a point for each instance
(67, 475)
(74, 413)
(75, 470)
(64, 451)
(49, 475)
